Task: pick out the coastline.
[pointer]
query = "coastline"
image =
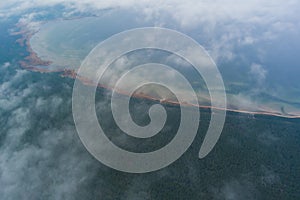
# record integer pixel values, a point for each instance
(32, 61)
(72, 74)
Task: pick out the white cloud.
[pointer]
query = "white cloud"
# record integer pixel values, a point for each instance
(243, 101)
(6, 64)
(236, 189)
(39, 159)
(10, 98)
(258, 72)
(188, 13)
(54, 168)
(225, 24)
(30, 22)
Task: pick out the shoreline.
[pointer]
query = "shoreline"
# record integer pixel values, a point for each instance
(72, 74)
(31, 62)
(32, 59)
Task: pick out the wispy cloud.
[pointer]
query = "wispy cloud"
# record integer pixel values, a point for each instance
(258, 72)
(6, 64)
(41, 156)
(225, 24)
(236, 189)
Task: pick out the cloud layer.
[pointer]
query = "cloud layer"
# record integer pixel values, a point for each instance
(41, 155)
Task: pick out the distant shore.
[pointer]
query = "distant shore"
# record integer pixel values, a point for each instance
(32, 61)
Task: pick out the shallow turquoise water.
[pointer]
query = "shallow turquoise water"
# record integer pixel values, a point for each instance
(67, 42)
(42, 157)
